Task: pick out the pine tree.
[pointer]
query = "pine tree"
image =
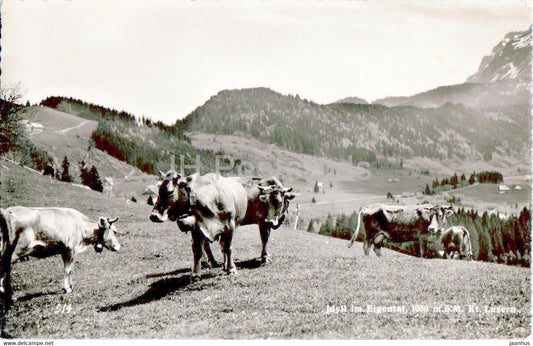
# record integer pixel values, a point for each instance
(311, 228)
(96, 183)
(316, 188)
(65, 175)
(454, 180)
(84, 175)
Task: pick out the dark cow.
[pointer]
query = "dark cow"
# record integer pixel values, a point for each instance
(42, 232)
(454, 243)
(399, 224)
(268, 204)
(192, 201)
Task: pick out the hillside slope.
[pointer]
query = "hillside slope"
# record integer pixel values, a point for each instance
(144, 291)
(63, 134)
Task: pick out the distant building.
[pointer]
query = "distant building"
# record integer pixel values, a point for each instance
(518, 187)
(503, 188)
(108, 186)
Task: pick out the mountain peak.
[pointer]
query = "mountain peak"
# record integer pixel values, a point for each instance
(353, 99)
(510, 60)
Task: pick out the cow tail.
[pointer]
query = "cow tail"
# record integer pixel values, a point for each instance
(469, 244)
(4, 232)
(356, 232)
(5, 265)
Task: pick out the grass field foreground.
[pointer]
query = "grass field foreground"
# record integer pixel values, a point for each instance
(144, 291)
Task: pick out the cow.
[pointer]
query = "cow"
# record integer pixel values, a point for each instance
(454, 243)
(43, 232)
(399, 224)
(185, 199)
(268, 204)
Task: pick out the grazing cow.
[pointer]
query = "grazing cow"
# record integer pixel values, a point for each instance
(43, 232)
(454, 243)
(190, 202)
(399, 224)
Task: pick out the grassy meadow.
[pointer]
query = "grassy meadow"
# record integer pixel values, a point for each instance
(145, 291)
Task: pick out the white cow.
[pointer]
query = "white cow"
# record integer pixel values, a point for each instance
(43, 232)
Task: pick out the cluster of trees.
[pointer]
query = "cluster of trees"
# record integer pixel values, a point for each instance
(13, 140)
(454, 181)
(494, 238)
(91, 178)
(149, 150)
(136, 153)
(489, 177)
(90, 110)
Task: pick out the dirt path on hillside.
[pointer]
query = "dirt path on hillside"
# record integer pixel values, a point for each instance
(74, 127)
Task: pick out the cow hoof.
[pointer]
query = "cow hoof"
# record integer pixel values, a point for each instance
(265, 260)
(232, 271)
(67, 290)
(206, 265)
(195, 277)
(377, 252)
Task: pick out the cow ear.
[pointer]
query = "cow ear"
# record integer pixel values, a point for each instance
(102, 222)
(176, 180)
(427, 213)
(264, 198)
(448, 212)
(191, 177)
(292, 195)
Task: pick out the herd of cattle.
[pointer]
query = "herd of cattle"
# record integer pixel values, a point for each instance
(211, 207)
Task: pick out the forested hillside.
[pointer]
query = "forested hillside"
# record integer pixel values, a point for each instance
(140, 142)
(366, 132)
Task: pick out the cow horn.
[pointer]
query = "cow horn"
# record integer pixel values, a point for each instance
(287, 189)
(265, 189)
(162, 174)
(112, 221)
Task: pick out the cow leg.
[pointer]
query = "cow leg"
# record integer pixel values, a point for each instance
(422, 245)
(225, 244)
(68, 262)
(378, 241)
(5, 278)
(212, 262)
(264, 231)
(366, 247)
(197, 241)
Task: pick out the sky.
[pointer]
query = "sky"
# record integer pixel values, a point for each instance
(162, 59)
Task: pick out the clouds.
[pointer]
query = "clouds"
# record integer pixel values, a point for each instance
(162, 59)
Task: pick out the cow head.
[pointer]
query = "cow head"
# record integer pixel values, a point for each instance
(277, 199)
(438, 218)
(172, 200)
(106, 235)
